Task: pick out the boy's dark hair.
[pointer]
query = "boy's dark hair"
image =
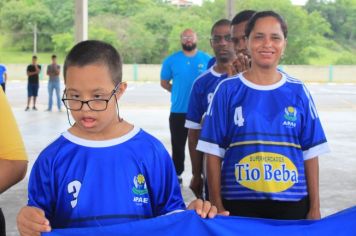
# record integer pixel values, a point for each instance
(221, 22)
(95, 52)
(242, 16)
(34, 57)
(252, 21)
(54, 56)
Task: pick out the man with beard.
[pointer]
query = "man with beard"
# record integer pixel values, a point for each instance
(178, 72)
(202, 92)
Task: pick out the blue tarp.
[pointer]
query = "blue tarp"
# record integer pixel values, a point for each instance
(188, 223)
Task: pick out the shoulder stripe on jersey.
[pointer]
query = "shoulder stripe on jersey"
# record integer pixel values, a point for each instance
(208, 112)
(254, 142)
(293, 80)
(312, 107)
(208, 71)
(202, 75)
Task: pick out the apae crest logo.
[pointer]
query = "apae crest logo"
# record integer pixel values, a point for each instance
(140, 190)
(290, 116)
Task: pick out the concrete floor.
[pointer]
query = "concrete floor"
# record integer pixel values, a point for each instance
(146, 105)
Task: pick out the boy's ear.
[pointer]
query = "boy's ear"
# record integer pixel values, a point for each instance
(121, 89)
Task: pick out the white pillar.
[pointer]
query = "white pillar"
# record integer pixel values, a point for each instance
(34, 38)
(230, 9)
(81, 20)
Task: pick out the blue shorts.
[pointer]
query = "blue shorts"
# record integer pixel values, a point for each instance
(32, 90)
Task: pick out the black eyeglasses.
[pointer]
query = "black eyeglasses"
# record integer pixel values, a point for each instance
(219, 38)
(93, 104)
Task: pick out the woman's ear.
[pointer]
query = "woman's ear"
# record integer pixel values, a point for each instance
(285, 46)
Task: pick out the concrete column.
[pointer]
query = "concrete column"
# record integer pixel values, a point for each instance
(230, 9)
(81, 20)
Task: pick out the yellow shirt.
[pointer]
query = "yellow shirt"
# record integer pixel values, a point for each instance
(11, 144)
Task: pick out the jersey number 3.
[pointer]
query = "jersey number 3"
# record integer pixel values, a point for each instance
(74, 188)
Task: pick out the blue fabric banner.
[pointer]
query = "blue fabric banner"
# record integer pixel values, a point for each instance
(188, 223)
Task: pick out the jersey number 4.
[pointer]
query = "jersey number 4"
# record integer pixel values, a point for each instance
(238, 117)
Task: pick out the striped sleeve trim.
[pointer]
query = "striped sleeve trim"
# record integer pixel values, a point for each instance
(316, 151)
(210, 148)
(192, 125)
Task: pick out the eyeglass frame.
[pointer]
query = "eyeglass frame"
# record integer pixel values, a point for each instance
(88, 101)
(187, 38)
(218, 38)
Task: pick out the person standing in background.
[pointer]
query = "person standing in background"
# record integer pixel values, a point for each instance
(201, 94)
(238, 37)
(53, 71)
(178, 73)
(33, 71)
(3, 77)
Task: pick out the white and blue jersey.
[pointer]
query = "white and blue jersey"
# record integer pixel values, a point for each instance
(200, 97)
(263, 135)
(83, 183)
(183, 70)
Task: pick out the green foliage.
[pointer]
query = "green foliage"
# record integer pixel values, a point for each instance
(145, 31)
(63, 42)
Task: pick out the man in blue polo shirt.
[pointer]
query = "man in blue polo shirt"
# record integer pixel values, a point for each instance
(178, 73)
(3, 76)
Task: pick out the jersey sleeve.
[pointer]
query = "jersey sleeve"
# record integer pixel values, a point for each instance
(213, 138)
(40, 192)
(313, 140)
(164, 187)
(166, 72)
(195, 108)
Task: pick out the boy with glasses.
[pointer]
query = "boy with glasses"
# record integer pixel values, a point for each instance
(103, 170)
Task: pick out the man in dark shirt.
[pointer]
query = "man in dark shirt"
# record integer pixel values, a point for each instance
(33, 70)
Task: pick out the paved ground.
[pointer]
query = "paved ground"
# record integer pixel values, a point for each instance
(147, 106)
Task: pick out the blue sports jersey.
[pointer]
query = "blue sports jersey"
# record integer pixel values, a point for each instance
(211, 62)
(263, 135)
(183, 70)
(83, 183)
(200, 97)
(2, 71)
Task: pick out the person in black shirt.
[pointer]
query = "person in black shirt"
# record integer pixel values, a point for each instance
(33, 70)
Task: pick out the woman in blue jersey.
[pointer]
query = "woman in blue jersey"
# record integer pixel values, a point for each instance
(102, 170)
(262, 134)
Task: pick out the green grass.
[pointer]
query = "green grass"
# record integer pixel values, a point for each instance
(16, 57)
(10, 55)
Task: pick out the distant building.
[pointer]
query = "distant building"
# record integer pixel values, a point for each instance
(181, 3)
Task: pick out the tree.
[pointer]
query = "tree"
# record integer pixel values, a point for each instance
(20, 17)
